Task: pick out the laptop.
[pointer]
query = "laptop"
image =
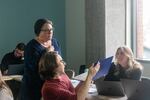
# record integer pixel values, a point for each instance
(130, 86)
(104, 69)
(16, 69)
(109, 88)
(142, 91)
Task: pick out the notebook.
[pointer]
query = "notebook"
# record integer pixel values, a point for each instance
(81, 77)
(104, 69)
(109, 88)
(16, 69)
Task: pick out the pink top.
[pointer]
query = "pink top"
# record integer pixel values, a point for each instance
(59, 89)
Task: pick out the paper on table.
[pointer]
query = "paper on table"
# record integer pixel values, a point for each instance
(92, 88)
(74, 82)
(81, 77)
(13, 77)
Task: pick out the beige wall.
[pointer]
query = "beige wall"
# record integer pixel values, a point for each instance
(75, 34)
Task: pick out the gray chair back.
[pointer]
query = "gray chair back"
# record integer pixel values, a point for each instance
(143, 90)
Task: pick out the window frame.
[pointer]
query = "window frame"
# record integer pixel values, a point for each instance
(131, 27)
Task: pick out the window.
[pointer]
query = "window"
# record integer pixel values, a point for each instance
(139, 19)
(146, 28)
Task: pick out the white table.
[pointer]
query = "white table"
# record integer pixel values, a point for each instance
(12, 77)
(100, 97)
(93, 95)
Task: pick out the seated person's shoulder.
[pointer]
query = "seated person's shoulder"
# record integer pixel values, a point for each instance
(113, 66)
(138, 66)
(7, 55)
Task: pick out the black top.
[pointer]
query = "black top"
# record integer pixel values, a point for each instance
(117, 72)
(10, 59)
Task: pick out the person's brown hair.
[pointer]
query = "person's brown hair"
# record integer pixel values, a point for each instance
(47, 65)
(39, 24)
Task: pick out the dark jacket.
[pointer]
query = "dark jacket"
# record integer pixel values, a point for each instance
(32, 83)
(117, 72)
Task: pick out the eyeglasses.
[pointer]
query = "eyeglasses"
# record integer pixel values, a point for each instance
(47, 30)
(63, 62)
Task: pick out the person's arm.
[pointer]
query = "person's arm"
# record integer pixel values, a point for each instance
(82, 90)
(136, 74)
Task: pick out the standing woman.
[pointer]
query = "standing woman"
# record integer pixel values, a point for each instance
(125, 66)
(43, 42)
(5, 92)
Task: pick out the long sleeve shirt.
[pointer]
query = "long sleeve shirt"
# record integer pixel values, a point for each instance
(59, 89)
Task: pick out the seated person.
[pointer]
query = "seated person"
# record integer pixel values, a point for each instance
(125, 66)
(5, 92)
(14, 57)
(57, 85)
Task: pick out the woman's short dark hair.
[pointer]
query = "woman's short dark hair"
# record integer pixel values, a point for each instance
(38, 25)
(47, 65)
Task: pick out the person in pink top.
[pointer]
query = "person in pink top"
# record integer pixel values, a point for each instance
(57, 85)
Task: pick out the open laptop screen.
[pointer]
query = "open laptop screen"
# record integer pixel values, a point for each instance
(109, 88)
(130, 86)
(16, 69)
